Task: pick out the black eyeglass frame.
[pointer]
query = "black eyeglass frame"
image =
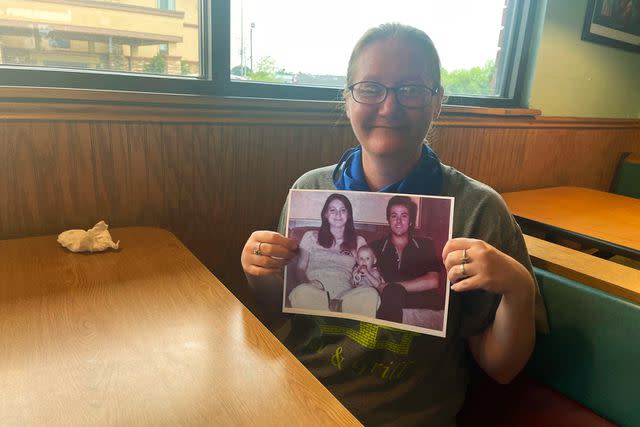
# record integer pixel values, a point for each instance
(434, 92)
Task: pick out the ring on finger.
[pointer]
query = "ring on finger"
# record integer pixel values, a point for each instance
(462, 271)
(257, 250)
(464, 258)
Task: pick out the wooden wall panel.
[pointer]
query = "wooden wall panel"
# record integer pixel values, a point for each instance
(212, 184)
(511, 159)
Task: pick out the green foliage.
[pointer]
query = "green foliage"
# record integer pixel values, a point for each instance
(265, 71)
(157, 64)
(237, 70)
(185, 68)
(474, 81)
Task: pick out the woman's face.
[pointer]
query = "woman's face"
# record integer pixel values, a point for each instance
(389, 129)
(337, 214)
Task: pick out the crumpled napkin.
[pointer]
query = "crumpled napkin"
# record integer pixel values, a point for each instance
(95, 239)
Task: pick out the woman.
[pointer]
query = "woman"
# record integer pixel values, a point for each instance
(392, 377)
(325, 262)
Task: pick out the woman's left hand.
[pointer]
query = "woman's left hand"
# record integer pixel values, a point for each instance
(475, 264)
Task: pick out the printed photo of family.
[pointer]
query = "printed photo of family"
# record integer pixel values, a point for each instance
(375, 257)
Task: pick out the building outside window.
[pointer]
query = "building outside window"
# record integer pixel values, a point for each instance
(125, 36)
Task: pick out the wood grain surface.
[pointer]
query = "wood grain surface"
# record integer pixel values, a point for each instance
(610, 277)
(606, 216)
(520, 158)
(145, 335)
(214, 173)
(210, 185)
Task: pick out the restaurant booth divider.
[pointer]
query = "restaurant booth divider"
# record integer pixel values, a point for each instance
(626, 181)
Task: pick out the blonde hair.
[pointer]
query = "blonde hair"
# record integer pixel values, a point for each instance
(390, 31)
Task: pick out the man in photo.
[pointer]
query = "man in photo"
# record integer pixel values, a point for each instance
(409, 264)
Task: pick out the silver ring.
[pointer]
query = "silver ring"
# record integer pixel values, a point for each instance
(257, 250)
(462, 272)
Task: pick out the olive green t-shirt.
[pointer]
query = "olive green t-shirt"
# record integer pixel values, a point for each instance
(386, 376)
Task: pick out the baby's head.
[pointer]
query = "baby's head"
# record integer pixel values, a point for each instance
(366, 257)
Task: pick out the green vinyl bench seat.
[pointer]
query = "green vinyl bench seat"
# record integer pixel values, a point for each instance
(627, 179)
(585, 372)
(592, 354)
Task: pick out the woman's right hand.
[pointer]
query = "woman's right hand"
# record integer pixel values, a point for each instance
(275, 252)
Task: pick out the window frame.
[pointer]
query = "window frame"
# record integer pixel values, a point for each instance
(215, 65)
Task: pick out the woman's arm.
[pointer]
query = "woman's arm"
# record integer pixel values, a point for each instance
(264, 271)
(505, 346)
(301, 265)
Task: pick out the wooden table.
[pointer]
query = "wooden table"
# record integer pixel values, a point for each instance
(142, 335)
(605, 220)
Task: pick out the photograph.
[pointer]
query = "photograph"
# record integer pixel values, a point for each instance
(374, 257)
(614, 23)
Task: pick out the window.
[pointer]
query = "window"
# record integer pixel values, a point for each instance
(60, 43)
(477, 41)
(128, 36)
(255, 48)
(167, 4)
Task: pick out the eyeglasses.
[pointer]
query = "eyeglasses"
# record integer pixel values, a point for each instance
(409, 96)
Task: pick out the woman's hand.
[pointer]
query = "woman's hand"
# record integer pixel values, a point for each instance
(504, 347)
(484, 267)
(266, 253)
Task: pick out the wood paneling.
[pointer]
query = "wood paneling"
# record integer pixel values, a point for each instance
(214, 181)
(211, 185)
(511, 159)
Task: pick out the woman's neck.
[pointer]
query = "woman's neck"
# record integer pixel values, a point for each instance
(382, 171)
(337, 233)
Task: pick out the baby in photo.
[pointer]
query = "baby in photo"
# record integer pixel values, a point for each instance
(365, 272)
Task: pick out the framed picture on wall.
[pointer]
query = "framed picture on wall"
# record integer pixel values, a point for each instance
(614, 23)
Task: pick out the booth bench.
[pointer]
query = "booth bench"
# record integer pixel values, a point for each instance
(585, 372)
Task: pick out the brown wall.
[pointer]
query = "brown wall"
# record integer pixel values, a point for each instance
(213, 177)
(519, 154)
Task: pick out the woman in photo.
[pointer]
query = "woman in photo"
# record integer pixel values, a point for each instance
(325, 261)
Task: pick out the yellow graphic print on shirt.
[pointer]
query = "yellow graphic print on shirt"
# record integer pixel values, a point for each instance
(373, 336)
